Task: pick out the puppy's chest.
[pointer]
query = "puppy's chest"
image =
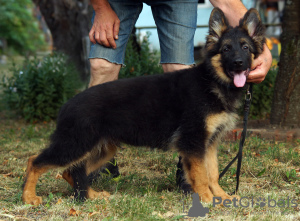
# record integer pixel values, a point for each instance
(217, 124)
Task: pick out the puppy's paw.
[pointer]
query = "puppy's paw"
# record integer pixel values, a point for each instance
(92, 194)
(33, 200)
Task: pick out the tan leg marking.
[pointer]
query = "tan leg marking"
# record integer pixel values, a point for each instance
(211, 162)
(92, 194)
(32, 175)
(196, 176)
(67, 176)
(99, 157)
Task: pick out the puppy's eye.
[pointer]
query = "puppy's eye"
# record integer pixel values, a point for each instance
(245, 47)
(226, 49)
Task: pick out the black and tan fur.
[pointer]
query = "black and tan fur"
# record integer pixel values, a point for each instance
(189, 110)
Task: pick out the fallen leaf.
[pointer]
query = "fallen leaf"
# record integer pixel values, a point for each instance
(73, 212)
(7, 175)
(59, 201)
(58, 176)
(162, 197)
(93, 213)
(276, 160)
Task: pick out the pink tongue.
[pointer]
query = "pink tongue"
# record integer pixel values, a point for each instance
(239, 80)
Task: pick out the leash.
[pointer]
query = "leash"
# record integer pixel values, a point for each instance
(239, 156)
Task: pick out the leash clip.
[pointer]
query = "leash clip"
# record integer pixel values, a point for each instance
(248, 95)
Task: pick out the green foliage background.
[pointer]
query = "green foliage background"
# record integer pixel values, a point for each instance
(18, 26)
(263, 96)
(39, 88)
(145, 62)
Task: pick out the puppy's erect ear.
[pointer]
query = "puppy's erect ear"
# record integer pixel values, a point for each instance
(217, 24)
(251, 22)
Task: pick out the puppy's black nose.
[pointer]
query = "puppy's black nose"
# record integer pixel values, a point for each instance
(238, 63)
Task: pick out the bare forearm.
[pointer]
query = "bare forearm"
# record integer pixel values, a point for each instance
(234, 10)
(100, 4)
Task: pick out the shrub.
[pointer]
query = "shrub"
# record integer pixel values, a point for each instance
(37, 90)
(18, 26)
(262, 96)
(145, 62)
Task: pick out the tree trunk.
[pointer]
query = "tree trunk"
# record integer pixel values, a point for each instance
(69, 22)
(286, 102)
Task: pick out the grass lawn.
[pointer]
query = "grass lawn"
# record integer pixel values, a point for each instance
(146, 189)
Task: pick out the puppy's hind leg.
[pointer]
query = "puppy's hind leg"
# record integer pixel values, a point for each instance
(78, 179)
(77, 176)
(32, 174)
(56, 155)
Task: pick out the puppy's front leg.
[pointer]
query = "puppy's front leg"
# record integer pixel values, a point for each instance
(211, 162)
(196, 175)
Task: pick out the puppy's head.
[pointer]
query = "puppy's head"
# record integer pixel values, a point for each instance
(231, 50)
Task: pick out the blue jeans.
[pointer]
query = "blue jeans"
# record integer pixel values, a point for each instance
(176, 22)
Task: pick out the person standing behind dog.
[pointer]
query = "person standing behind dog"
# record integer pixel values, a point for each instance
(176, 22)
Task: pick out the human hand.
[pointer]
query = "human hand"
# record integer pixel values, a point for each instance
(105, 28)
(260, 66)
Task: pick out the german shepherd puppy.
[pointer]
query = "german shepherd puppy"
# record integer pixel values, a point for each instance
(189, 110)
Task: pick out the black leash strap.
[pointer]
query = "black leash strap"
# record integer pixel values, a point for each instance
(239, 156)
